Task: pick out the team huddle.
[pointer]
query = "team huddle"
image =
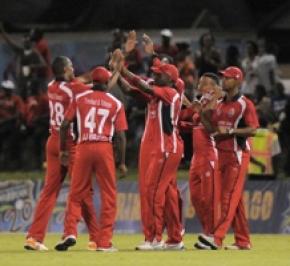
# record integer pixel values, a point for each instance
(220, 120)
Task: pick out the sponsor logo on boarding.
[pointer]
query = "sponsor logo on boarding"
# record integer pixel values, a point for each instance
(231, 112)
(285, 225)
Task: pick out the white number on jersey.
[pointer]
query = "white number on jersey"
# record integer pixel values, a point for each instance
(56, 113)
(90, 120)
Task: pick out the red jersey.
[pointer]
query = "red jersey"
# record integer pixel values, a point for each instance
(98, 114)
(163, 110)
(60, 96)
(203, 143)
(238, 113)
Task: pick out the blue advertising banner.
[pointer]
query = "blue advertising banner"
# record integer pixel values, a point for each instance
(267, 206)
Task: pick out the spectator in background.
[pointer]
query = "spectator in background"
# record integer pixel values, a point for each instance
(263, 104)
(285, 139)
(267, 68)
(232, 56)
(208, 58)
(37, 121)
(166, 47)
(187, 71)
(279, 100)
(11, 117)
(41, 45)
(29, 64)
(249, 65)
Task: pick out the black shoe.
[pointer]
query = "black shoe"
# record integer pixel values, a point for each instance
(208, 241)
(201, 246)
(65, 244)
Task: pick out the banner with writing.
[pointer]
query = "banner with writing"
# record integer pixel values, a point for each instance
(267, 206)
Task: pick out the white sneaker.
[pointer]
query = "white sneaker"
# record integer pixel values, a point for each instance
(158, 245)
(145, 246)
(176, 246)
(109, 249)
(32, 244)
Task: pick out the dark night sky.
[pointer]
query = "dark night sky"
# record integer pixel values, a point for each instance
(104, 14)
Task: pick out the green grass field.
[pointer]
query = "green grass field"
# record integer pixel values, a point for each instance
(269, 250)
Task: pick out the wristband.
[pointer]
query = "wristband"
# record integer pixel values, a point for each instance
(230, 131)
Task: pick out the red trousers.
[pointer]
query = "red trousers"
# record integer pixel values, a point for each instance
(96, 157)
(233, 173)
(171, 204)
(161, 174)
(55, 175)
(204, 192)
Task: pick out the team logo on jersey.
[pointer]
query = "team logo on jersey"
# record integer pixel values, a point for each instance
(152, 114)
(231, 112)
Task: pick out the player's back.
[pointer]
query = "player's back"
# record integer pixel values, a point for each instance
(60, 95)
(96, 113)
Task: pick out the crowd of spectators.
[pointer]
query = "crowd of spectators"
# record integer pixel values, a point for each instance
(24, 108)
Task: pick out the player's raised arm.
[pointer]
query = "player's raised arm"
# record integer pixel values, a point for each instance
(137, 81)
(131, 42)
(115, 62)
(124, 85)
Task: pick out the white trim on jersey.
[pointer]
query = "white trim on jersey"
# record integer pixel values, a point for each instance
(174, 122)
(79, 125)
(161, 125)
(213, 145)
(51, 82)
(67, 90)
(83, 94)
(146, 124)
(119, 105)
(243, 105)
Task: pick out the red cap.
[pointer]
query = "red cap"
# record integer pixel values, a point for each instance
(167, 69)
(233, 72)
(101, 75)
(179, 86)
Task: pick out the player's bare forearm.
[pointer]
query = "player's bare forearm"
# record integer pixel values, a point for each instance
(113, 80)
(205, 117)
(240, 132)
(124, 85)
(85, 77)
(137, 81)
(121, 146)
(185, 101)
(63, 131)
(64, 153)
(244, 132)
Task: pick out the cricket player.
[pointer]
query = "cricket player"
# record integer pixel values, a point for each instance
(203, 182)
(99, 115)
(232, 122)
(163, 152)
(61, 92)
